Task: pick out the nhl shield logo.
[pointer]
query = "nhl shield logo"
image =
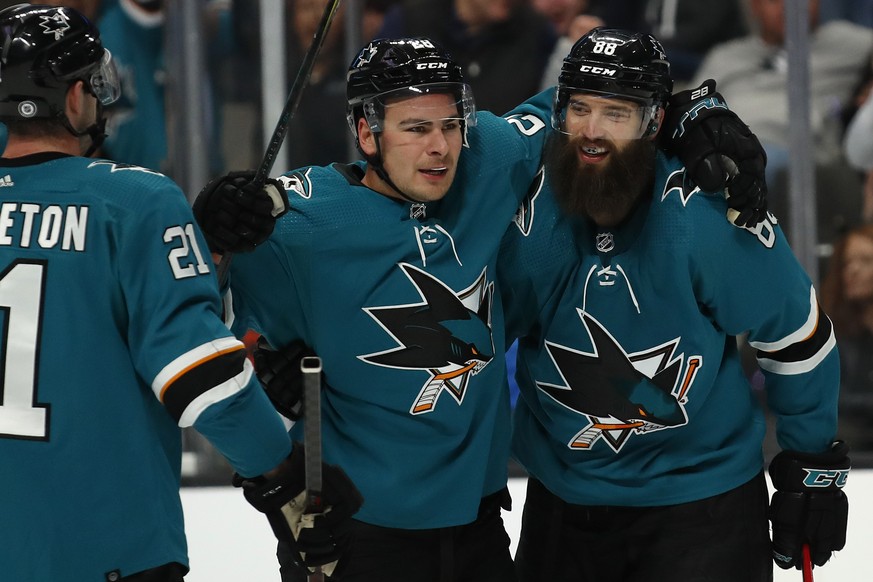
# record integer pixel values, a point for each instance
(418, 211)
(604, 242)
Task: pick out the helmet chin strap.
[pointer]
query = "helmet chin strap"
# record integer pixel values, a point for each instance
(98, 134)
(376, 162)
(96, 131)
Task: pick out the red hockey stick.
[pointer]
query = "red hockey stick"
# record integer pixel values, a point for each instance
(807, 564)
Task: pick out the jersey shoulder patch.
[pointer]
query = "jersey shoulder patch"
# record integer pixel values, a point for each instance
(298, 182)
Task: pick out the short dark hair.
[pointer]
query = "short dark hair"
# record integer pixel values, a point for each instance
(34, 128)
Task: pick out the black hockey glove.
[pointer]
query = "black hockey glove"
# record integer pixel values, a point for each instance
(282, 499)
(234, 216)
(809, 506)
(280, 375)
(719, 151)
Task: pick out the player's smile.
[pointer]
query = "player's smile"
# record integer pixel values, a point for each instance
(590, 153)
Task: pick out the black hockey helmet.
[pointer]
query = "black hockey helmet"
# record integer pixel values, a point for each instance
(43, 50)
(624, 64)
(387, 68)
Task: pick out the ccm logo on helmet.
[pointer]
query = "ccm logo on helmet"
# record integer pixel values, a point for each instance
(431, 66)
(598, 70)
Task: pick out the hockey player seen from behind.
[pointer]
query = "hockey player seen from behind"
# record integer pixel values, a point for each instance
(112, 334)
(640, 433)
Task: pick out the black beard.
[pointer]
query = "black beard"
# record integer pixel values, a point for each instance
(604, 193)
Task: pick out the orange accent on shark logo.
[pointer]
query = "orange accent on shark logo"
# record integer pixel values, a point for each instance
(619, 393)
(448, 335)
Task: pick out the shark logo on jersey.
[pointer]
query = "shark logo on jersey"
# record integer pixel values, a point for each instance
(764, 231)
(56, 25)
(621, 393)
(447, 335)
(299, 182)
(117, 167)
(676, 182)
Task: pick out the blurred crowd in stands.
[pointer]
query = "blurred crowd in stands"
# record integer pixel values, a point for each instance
(510, 49)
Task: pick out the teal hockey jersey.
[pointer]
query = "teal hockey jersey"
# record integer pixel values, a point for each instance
(399, 301)
(632, 392)
(137, 123)
(112, 338)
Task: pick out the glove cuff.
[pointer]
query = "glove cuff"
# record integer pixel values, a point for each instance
(681, 98)
(274, 189)
(794, 471)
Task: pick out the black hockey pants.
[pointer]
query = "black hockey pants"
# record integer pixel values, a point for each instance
(724, 538)
(476, 552)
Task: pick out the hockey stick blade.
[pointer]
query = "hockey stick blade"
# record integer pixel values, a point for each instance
(291, 103)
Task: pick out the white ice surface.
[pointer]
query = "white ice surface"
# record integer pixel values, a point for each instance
(229, 541)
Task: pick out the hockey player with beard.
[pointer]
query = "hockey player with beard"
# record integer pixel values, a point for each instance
(641, 436)
(387, 268)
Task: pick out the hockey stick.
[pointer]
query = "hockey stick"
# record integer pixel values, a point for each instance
(291, 103)
(807, 564)
(311, 368)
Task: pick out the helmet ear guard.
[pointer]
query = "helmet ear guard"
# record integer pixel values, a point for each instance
(653, 126)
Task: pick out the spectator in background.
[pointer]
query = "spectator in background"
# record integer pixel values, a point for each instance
(136, 127)
(847, 295)
(318, 132)
(502, 45)
(858, 143)
(628, 14)
(571, 26)
(752, 76)
(688, 29)
(857, 11)
(560, 13)
(138, 130)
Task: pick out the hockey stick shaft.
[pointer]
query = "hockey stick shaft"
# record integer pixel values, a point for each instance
(293, 100)
(807, 564)
(311, 368)
(291, 103)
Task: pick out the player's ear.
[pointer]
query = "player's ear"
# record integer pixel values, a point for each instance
(366, 137)
(75, 99)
